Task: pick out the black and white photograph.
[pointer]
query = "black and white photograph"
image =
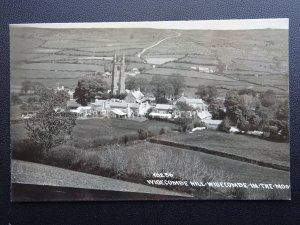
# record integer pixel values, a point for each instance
(164, 110)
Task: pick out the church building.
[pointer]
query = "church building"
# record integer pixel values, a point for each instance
(118, 75)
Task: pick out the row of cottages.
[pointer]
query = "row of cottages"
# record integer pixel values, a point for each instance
(201, 109)
(108, 108)
(171, 111)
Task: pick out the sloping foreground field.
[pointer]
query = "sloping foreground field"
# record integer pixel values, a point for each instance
(253, 148)
(28, 173)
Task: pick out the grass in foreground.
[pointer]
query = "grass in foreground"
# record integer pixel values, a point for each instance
(138, 162)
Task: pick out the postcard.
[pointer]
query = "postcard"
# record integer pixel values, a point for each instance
(168, 110)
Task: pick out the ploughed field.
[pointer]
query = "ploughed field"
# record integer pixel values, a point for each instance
(238, 59)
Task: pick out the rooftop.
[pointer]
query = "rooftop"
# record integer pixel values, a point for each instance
(164, 106)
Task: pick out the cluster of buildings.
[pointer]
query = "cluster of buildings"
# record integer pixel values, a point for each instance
(131, 107)
(135, 104)
(203, 69)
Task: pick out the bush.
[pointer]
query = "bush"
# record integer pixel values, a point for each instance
(162, 131)
(15, 99)
(183, 123)
(62, 156)
(148, 112)
(243, 125)
(26, 150)
(273, 132)
(189, 127)
(255, 122)
(225, 125)
(142, 134)
(126, 139)
(199, 124)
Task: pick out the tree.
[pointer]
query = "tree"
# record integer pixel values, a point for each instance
(268, 98)
(87, 90)
(215, 108)
(233, 106)
(133, 83)
(177, 82)
(161, 88)
(26, 86)
(32, 100)
(243, 125)
(206, 92)
(183, 122)
(31, 86)
(249, 104)
(37, 87)
(162, 100)
(183, 106)
(15, 99)
(49, 127)
(283, 111)
(150, 110)
(225, 125)
(255, 122)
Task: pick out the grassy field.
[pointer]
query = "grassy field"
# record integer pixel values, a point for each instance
(137, 162)
(97, 148)
(96, 132)
(240, 145)
(91, 132)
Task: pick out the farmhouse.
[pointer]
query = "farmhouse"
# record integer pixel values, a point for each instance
(82, 111)
(108, 108)
(162, 111)
(198, 105)
(164, 108)
(134, 97)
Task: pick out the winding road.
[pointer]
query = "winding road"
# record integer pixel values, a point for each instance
(139, 55)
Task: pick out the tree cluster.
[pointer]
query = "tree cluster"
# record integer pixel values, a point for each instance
(49, 127)
(250, 112)
(166, 88)
(88, 89)
(33, 87)
(207, 93)
(134, 83)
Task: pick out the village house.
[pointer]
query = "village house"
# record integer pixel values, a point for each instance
(198, 105)
(134, 97)
(108, 108)
(162, 111)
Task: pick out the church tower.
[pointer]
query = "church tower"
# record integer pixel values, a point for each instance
(122, 77)
(118, 75)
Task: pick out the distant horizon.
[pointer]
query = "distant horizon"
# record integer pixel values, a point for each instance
(241, 24)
